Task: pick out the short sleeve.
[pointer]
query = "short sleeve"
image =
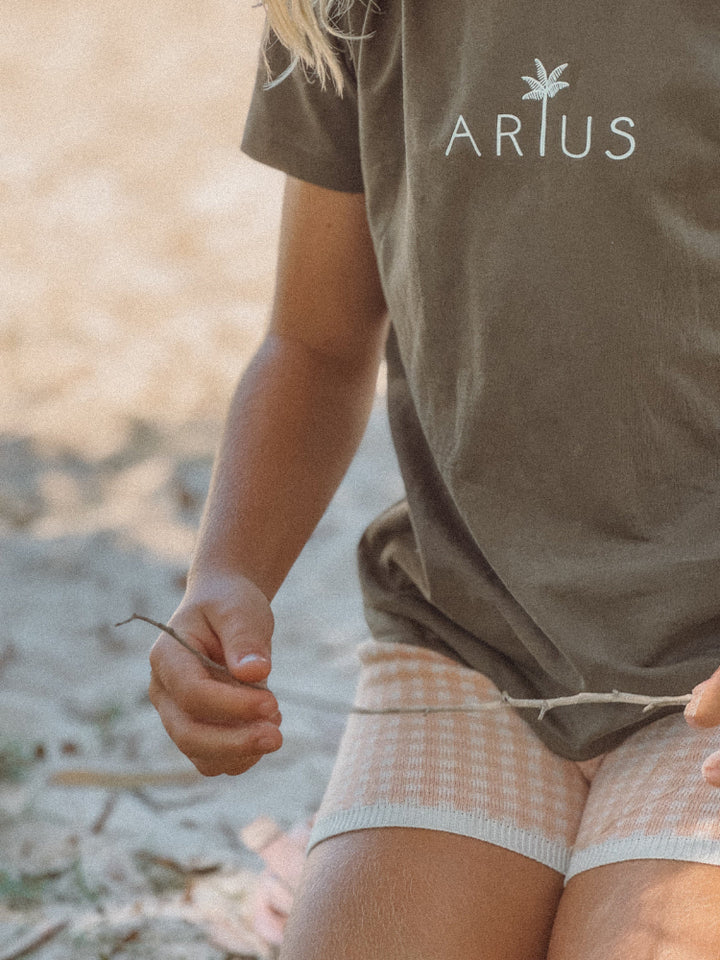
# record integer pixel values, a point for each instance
(303, 130)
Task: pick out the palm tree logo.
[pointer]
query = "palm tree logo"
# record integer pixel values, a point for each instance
(542, 89)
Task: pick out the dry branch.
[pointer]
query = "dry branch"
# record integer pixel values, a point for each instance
(119, 780)
(211, 664)
(616, 696)
(543, 706)
(38, 938)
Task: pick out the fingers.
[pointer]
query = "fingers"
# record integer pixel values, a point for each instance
(203, 695)
(711, 769)
(216, 749)
(224, 724)
(704, 709)
(702, 712)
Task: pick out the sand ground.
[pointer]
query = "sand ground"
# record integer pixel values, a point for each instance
(136, 262)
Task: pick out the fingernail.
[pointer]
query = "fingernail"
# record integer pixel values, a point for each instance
(267, 745)
(251, 659)
(692, 708)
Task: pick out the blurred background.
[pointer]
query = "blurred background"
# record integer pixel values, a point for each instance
(137, 249)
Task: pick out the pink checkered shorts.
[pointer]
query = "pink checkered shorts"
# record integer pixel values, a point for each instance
(486, 775)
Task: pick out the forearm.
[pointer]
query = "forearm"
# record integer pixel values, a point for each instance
(295, 422)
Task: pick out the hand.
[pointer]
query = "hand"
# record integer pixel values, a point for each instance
(222, 726)
(702, 712)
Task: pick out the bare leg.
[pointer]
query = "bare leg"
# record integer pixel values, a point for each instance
(411, 894)
(640, 909)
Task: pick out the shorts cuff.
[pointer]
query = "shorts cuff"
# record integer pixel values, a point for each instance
(690, 849)
(548, 852)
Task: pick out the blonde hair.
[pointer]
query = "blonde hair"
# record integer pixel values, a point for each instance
(305, 27)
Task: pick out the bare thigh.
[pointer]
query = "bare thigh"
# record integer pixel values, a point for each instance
(640, 909)
(414, 894)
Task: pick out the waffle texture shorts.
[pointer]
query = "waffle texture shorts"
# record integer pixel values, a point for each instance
(486, 774)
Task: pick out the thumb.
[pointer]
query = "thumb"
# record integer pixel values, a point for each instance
(704, 707)
(247, 636)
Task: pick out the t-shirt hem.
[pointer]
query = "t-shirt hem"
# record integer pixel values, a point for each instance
(308, 167)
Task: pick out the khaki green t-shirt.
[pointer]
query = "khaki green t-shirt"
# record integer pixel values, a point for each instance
(542, 183)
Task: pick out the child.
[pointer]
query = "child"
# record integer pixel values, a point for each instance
(516, 202)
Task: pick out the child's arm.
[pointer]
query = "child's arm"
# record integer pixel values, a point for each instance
(294, 424)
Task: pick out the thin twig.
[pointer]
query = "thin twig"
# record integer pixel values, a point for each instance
(7, 656)
(210, 664)
(108, 807)
(543, 706)
(119, 780)
(324, 704)
(37, 939)
(161, 806)
(648, 703)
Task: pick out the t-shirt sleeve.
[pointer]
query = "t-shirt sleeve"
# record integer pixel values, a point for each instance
(303, 130)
